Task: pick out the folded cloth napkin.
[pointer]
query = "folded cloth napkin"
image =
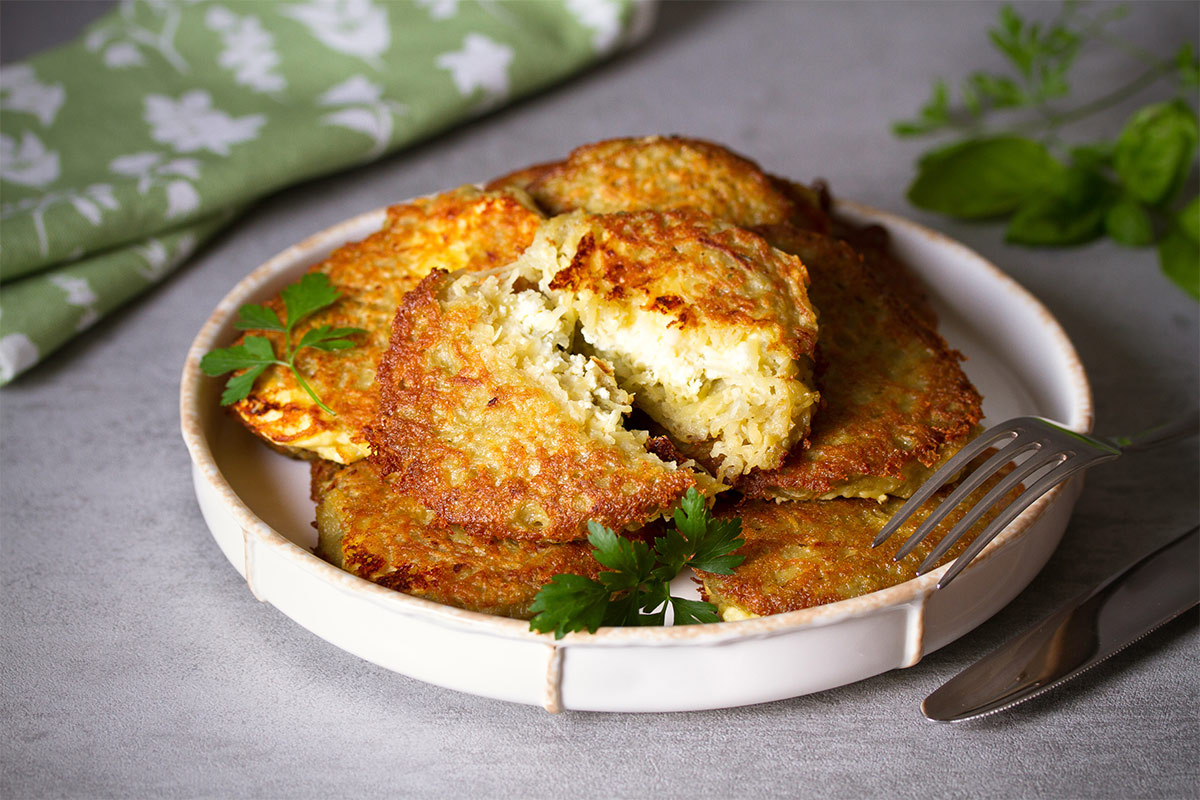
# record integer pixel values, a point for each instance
(122, 152)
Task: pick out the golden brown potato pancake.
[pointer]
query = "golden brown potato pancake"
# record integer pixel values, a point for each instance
(804, 554)
(894, 398)
(369, 527)
(704, 322)
(668, 172)
(498, 428)
(461, 229)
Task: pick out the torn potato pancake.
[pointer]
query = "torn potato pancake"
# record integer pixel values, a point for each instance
(368, 526)
(493, 424)
(805, 554)
(462, 229)
(895, 401)
(705, 323)
(668, 172)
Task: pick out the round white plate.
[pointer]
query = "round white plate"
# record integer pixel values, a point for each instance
(257, 506)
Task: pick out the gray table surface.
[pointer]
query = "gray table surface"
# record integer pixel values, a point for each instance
(135, 662)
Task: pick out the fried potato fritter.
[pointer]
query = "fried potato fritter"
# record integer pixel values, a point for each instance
(895, 401)
(494, 425)
(462, 229)
(668, 172)
(367, 526)
(708, 325)
(804, 554)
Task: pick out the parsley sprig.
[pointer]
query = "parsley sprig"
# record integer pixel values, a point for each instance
(301, 300)
(635, 586)
(1006, 156)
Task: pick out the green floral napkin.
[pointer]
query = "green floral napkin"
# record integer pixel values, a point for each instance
(122, 152)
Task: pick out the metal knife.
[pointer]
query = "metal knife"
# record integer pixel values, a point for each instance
(1088, 630)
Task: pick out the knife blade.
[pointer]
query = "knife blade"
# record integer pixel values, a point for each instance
(1087, 630)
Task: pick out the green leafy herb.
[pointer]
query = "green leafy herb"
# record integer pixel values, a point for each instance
(1061, 194)
(301, 300)
(634, 587)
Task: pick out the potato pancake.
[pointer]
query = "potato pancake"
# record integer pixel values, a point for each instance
(807, 554)
(668, 172)
(462, 229)
(894, 399)
(367, 526)
(707, 324)
(498, 428)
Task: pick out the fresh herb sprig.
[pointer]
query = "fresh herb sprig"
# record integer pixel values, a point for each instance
(1056, 193)
(301, 300)
(635, 586)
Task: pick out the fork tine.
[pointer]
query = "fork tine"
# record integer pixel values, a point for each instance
(1044, 484)
(943, 474)
(1036, 462)
(968, 484)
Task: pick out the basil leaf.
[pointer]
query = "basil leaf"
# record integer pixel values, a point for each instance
(1179, 258)
(1189, 219)
(982, 178)
(1155, 150)
(1072, 214)
(1128, 223)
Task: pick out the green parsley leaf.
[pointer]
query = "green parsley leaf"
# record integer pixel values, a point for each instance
(634, 588)
(981, 178)
(258, 318)
(310, 294)
(569, 603)
(302, 299)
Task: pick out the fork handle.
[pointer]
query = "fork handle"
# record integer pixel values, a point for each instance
(1187, 425)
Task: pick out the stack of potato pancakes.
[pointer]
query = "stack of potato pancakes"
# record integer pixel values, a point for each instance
(586, 340)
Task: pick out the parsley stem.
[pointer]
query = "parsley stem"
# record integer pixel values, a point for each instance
(304, 385)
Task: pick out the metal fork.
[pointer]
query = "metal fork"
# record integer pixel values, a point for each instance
(1052, 450)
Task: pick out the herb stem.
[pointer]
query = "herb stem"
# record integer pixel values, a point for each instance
(304, 385)
(1054, 119)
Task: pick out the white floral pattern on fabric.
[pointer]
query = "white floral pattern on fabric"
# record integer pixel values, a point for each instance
(90, 203)
(440, 9)
(79, 293)
(191, 123)
(20, 90)
(356, 28)
(120, 41)
(159, 259)
(601, 16)
(366, 111)
(28, 164)
(17, 354)
(480, 65)
(249, 50)
(176, 176)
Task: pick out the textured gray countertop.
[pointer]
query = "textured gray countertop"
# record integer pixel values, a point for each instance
(136, 663)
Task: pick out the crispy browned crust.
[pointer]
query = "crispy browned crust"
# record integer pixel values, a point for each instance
(872, 242)
(894, 398)
(487, 448)
(695, 270)
(369, 527)
(803, 554)
(521, 178)
(667, 172)
(460, 229)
